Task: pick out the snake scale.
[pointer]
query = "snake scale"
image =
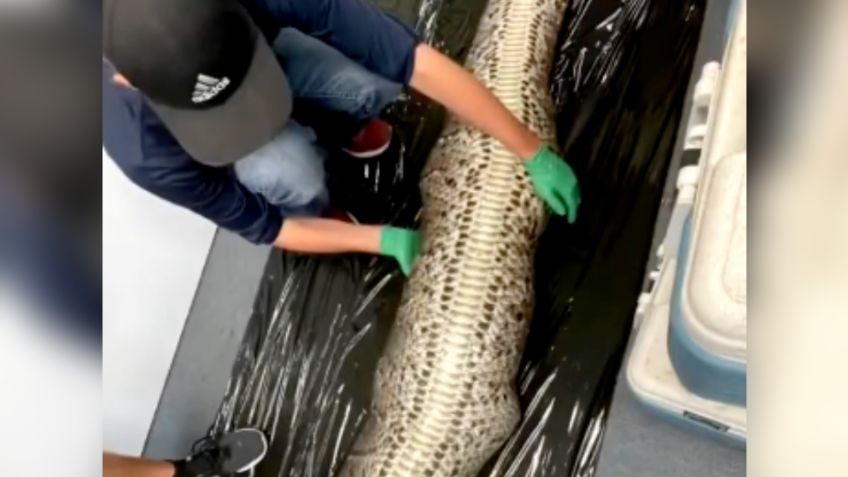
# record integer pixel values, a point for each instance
(445, 395)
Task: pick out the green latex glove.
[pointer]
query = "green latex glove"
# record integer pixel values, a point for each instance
(402, 244)
(555, 182)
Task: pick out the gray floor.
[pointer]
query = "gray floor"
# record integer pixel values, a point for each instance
(208, 346)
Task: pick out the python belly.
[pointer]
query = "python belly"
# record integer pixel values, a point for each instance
(445, 393)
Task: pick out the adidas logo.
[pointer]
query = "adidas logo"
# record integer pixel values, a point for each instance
(208, 87)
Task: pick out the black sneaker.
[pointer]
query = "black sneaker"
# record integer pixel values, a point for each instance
(233, 453)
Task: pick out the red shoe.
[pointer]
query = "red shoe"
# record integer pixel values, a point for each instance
(373, 140)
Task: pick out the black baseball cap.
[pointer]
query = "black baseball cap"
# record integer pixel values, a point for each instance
(206, 70)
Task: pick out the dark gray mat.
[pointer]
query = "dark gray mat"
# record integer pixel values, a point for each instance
(211, 337)
(638, 444)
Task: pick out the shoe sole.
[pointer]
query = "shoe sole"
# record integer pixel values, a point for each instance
(369, 154)
(258, 459)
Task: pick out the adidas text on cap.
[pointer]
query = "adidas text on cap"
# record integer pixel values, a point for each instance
(205, 69)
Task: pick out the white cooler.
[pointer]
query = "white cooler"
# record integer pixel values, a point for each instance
(708, 334)
(688, 360)
(655, 384)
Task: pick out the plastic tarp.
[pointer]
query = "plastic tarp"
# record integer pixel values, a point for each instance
(304, 369)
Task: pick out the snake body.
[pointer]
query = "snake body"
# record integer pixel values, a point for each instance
(445, 393)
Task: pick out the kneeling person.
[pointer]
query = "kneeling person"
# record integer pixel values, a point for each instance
(198, 102)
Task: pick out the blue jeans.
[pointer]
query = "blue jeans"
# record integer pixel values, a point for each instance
(289, 170)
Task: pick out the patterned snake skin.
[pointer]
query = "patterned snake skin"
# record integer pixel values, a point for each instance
(445, 398)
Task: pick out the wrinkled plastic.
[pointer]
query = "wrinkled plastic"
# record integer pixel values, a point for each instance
(305, 367)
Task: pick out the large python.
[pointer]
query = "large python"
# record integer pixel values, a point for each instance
(445, 393)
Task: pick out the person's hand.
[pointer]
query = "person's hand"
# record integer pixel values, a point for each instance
(555, 182)
(402, 244)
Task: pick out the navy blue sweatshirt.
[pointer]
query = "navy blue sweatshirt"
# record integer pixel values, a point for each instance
(148, 154)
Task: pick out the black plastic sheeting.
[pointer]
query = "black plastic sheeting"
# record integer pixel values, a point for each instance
(304, 370)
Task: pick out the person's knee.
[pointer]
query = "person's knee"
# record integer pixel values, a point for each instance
(358, 92)
(324, 76)
(290, 189)
(288, 171)
(293, 189)
(371, 94)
